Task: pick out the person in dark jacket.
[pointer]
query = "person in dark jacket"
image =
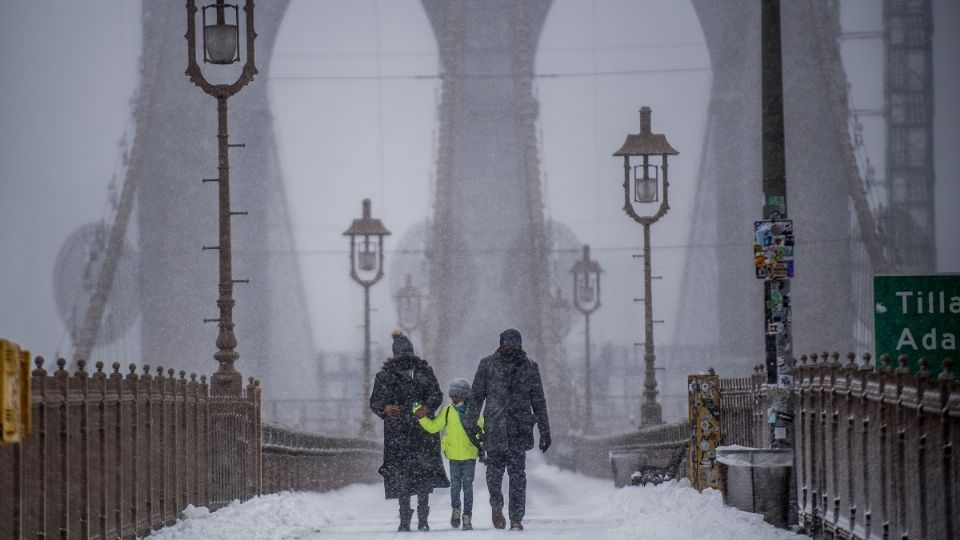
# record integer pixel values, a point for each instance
(412, 464)
(510, 385)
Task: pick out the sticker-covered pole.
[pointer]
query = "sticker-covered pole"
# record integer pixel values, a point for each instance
(774, 182)
(776, 290)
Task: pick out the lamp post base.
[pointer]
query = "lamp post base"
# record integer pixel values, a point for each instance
(651, 414)
(226, 383)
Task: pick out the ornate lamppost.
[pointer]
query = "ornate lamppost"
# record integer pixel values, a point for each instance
(221, 46)
(586, 298)
(366, 268)
(409, 306)
(643, 190)
(560, 309)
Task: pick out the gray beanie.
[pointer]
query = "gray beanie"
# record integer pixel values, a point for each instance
(460, 387)
(402, 345)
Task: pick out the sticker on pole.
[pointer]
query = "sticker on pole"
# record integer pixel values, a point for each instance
(773, 249)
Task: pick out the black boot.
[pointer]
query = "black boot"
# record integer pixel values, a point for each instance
(405, 515)
(422, 513)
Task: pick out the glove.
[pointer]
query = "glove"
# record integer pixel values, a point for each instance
(544, 442)
(481, 454)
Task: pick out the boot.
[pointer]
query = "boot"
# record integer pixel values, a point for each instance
(467, 525)
(455, 518)
(515, 525)
(405, 516)
(422, 513)
(499, 522)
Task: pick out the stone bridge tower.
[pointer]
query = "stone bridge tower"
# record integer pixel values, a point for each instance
(488, 254)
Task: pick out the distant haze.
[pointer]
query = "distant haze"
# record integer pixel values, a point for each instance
(354, 96)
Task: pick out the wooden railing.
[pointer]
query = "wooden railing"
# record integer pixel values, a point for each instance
(117, 455)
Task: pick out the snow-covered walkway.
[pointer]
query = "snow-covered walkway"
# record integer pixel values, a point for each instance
(560, 505)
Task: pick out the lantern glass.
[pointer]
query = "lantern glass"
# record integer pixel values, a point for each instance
(221, 41)
(409, 311)
(585, 292)
(367, 257)
(646, 183)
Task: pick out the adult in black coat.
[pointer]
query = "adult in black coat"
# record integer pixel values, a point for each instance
(510, 385)
(412, 463)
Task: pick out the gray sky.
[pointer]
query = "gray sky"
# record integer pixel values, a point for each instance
(70, 69)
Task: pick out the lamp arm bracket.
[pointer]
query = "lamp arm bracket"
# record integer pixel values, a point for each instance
(365, 282)
(585, 311)
(205, 248)
(647, 220)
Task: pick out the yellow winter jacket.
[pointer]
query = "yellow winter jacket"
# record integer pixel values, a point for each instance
(455, 443)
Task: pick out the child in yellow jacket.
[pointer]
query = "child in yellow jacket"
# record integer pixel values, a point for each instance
(458, 449)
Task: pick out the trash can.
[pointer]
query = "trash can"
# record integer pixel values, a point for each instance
(757, 480)
(623, 463)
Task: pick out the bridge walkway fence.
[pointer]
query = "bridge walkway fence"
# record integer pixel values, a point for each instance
(875, 451)
(617, 456)
(742, 418)
(875, 445)
(117, 455)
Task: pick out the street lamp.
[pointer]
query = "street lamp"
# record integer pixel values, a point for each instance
(409, 307)
(561, 314)
(642, 190)
(586, 297)
(366, 268)
(221, 46)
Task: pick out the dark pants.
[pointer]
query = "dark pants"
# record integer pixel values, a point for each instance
(423, 503)
(461, 478)
(515, 463)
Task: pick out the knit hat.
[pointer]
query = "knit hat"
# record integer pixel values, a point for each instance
(459, 387)
(402, 346)
(512, 336)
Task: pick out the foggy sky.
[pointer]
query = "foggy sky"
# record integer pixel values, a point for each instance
(354, 93)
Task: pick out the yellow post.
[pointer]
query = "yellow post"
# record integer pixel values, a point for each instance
(704, 416)
(14, 392)
(26, 394)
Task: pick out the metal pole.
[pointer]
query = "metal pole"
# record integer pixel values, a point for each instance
(366, 425)
(776, 291)
(650, 411)
(588, 394)
(226, 380)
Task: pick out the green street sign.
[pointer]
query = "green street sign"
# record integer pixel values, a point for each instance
(917, 316)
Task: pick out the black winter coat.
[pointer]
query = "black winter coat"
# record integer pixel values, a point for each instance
(513, 392)
(411, 457)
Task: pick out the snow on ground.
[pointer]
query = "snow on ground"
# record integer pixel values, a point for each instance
(560, 505)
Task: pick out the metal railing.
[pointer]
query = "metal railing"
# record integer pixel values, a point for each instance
(111, 455)
(116, 455)
(596, 455)
(742, 420)
(875, 449)
(298, 461)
